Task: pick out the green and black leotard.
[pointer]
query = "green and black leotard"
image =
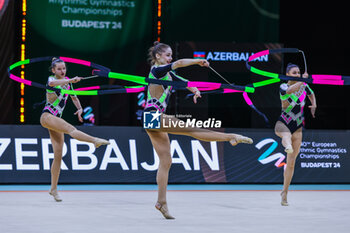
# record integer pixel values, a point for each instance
(161, 73)
(293, 115)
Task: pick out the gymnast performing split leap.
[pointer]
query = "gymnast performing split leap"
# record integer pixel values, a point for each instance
(160, 57)
(289, 125)
(51, 119)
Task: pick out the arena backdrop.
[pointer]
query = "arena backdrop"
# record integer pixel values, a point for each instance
(26, 153)
(229, 59)
(117, 34)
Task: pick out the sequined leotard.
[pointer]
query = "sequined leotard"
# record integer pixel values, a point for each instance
(293, 115)
(161, 73)
(56, 107)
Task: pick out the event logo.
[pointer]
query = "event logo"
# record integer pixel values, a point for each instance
(142, 103)
(89, 116)
(151, 120)
(267, 156)
(227, 56)
(109, 24)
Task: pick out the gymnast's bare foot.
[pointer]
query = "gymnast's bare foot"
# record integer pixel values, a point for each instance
(99, 142)
(55, 195)
(289, 149)
(284, 201)
(163, 208)
(240, 139)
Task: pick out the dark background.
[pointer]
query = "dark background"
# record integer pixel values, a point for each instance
(317, 28)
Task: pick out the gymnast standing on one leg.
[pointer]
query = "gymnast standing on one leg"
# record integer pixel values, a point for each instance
(51, 119)
(289, 125)
(160, 56)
